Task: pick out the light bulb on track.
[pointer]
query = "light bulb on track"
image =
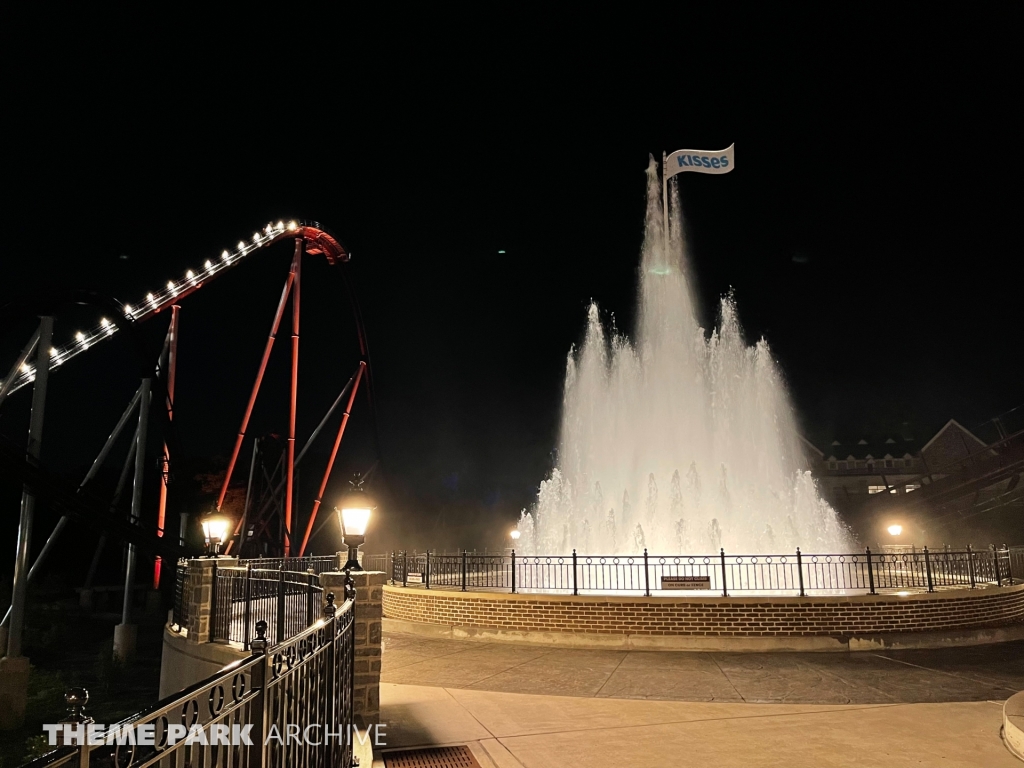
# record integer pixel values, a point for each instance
(190, 275)
(280, 225)
(128, 310)
(256, 237)
(241, 246)
(209, 264)
(80, 336)
(225, 256)
(292, 226)
(53, 352)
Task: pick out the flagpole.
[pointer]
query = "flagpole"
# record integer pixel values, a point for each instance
(664, 201)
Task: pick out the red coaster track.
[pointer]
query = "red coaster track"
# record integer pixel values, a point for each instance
(310, 238)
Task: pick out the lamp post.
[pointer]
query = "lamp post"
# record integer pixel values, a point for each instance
(353, 516)
(215, 531)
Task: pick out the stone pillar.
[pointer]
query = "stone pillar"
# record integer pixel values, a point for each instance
(200, 599)
(369, 597)
(14, 671)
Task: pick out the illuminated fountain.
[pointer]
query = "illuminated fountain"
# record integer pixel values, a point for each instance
(680, 441)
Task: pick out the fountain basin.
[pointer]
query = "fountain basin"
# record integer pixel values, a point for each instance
(756, 623)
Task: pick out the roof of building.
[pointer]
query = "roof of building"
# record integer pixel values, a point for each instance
(873, 447)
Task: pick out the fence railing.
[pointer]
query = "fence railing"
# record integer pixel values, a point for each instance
(287, 601)
(305, 681)
(184, 583)
(318, 563)
(798, 573)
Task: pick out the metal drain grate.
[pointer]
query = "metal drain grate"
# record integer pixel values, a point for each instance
(432, 757)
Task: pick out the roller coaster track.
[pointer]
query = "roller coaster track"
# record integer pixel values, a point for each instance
(79, 503)
(317, 241)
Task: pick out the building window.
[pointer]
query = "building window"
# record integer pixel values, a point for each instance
(880, 489)
(859, 465)
(833, 465)
(888, 463)
(913, 487)
(842, 465)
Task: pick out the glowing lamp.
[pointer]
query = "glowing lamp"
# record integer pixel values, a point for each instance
(515, 534)
(353, 516)
(215, 531)
(895, 530)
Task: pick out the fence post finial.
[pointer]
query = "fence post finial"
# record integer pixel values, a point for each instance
(330, 608)
(258, 645)
(76, 699)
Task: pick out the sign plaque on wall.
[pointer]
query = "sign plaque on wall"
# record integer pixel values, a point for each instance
(686, 582)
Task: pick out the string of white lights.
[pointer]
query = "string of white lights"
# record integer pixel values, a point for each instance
(158, 300)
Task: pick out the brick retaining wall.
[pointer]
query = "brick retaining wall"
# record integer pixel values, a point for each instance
(722, 617)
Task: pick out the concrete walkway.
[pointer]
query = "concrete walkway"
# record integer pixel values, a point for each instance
(509, 730)
(532, 706)
(978, 673)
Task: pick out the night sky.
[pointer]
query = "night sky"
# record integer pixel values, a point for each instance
(870, 230)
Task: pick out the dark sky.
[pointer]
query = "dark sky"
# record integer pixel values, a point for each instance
(870, 231)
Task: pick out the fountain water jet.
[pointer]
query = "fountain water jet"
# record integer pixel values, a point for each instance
(708, 416)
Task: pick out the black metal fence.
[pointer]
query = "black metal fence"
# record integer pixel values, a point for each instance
(287, 601)
(306, 681)
(798, 573)
(184, 583)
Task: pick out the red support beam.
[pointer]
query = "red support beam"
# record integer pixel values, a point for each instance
(334, 453)
(172, 366)
(290, 486)
(255, 391)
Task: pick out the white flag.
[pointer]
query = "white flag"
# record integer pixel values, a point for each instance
(699, 160)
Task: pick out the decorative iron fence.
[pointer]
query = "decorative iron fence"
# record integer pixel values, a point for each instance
(380, 562)
(287, 601)
(305, 681)
(184, 583)
(798, 573)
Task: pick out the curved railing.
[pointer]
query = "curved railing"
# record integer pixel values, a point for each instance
(798, 573)
(305, 681)
(283, 592)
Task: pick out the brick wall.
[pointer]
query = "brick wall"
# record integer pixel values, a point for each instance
(724, 617)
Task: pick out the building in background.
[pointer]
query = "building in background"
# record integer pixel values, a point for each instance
(952, 487)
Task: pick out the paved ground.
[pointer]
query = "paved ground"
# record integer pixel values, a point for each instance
(510, 730)
(972, 674)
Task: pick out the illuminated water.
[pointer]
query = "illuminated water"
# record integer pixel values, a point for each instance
(681, 441)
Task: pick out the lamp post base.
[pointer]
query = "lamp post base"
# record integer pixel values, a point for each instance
(353, 559)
